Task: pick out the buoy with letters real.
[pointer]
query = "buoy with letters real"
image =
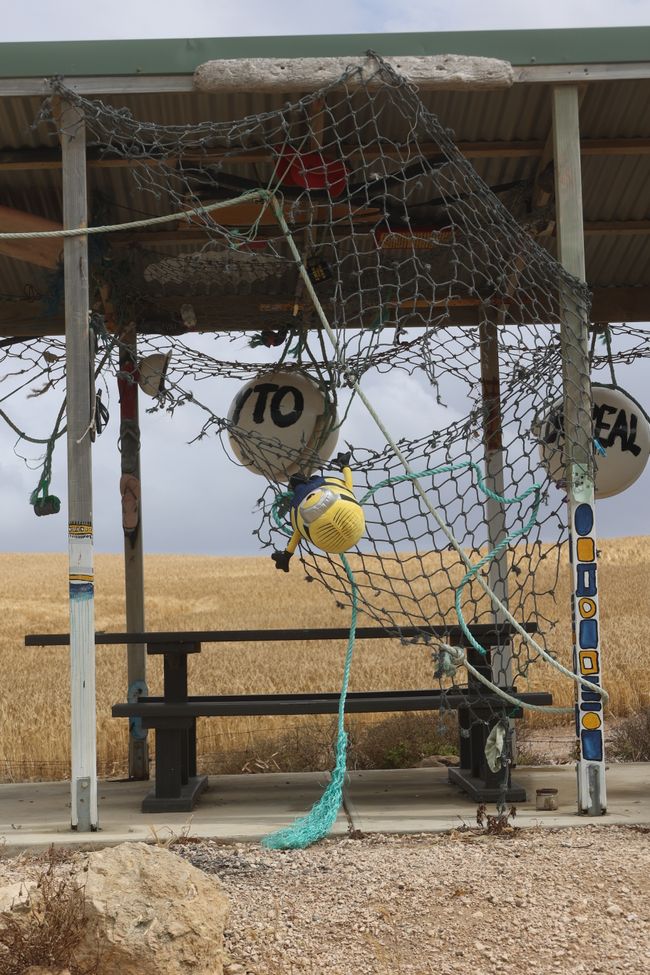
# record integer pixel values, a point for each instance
(621, 432)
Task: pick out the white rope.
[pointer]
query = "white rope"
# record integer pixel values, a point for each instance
(266, 197)
(133, 224)
(459, 659)
(578, 678)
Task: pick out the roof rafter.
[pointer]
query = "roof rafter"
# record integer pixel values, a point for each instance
(26, 319)
(31, 160)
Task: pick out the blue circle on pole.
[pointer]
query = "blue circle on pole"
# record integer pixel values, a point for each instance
(584, 519)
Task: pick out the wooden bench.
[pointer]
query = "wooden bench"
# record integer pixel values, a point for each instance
(173, 716)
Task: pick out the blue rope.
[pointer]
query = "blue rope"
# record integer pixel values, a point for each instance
(317, 823)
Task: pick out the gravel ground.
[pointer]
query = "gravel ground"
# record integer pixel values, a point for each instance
(530, 901)
(533, 901)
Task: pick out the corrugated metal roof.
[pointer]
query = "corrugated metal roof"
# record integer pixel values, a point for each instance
(616, 262)
(616, 188)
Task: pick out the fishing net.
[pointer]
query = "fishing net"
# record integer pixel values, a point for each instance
(350, 237)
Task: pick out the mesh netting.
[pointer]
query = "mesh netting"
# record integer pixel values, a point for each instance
(418, 266)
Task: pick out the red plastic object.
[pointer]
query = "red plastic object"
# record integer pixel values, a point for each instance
(311, 171)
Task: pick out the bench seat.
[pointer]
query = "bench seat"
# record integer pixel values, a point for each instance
(178, 786)
(313, 703)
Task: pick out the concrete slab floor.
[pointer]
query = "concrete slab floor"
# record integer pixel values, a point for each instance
(406, 801)
(246, 807)
(243, 807)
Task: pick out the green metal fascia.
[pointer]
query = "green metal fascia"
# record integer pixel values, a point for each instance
(594, 45)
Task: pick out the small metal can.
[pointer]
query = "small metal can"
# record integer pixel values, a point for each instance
(546, 799)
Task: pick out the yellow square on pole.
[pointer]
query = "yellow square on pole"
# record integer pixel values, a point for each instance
(586, 550)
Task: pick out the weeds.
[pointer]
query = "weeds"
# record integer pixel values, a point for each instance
(397, 741)
(630, 740)
(167, 836)
(256, 765)
(502, 823)
(48, 930)
(526, 752)
(402, 740)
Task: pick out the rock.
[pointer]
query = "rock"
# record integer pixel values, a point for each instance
(150, 912)
(39, 970)
(452, 72)
(16, 897)
(614, 910)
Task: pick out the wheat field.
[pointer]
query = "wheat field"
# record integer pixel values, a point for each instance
(194, 593)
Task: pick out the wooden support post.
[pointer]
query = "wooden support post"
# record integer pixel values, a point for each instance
(495, 513)
(133, 548)
(578, 439)
(79, 393)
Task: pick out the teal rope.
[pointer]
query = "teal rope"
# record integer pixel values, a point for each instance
(321, 817)
(42, 501)
(510, 537)
(449, 468)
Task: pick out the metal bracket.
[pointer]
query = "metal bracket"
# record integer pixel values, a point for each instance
(83, 805)
(137, 690)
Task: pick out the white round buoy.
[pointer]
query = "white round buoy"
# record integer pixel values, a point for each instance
(620, 426)
(152, 370)
(292, 414)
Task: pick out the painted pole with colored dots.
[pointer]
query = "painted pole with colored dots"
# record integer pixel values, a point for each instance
(579, 455)
(592, 797)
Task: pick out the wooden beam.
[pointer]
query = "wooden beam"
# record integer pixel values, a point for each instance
(617, 228)
(543, 186)
(546, 74)
(79, 412)
(36, 160)
(46, 160)
(139, 84)
(620, 305)
(615, 147)
(25, 319)
(43, 252)
(495, 518)
(131, 485)
(302, 212)
(182, 233)
(578, 448)
(543, 183)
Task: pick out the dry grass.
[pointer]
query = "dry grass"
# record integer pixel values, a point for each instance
(47, 933)
(185, 592)
(630, 740)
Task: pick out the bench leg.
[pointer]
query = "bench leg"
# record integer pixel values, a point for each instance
(191, 749)
(188, 758)
(177, 786)
(169, 762)
(474, 776)
(464, 738)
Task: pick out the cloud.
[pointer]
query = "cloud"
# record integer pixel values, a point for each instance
(72, 19)
(193, 498)
(437, 15)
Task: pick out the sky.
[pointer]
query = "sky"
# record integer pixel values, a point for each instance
(36, 20)
(193, 500)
